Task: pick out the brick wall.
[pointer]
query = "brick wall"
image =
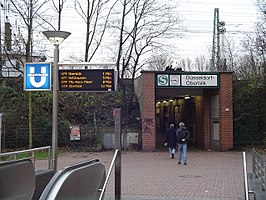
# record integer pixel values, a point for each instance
(148, 111)
(204, 139)
(226, 111)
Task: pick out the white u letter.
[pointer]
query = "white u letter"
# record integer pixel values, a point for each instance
(43, 78)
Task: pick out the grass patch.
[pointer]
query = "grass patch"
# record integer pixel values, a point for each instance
(39, 155)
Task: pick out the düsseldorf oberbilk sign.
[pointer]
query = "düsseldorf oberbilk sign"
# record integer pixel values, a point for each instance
(188, 80)
(37, 76)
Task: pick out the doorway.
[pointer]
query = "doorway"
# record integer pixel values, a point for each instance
(175, 110)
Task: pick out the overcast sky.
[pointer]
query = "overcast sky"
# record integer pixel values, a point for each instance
(198, 15)
(239, 17)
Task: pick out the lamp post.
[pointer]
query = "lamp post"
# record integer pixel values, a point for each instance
(56, 38)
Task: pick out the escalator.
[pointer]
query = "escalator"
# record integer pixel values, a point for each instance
(84, 180)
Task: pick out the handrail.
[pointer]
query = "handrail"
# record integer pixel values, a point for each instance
(108, 174)
(246, 190)
(62, 185)
(32, 151)
(259, 168)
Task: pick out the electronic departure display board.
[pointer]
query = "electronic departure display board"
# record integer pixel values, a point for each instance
(97, 80)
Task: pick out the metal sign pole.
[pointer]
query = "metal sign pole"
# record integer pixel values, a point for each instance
(1, 115)
(55, 109)
(117, 115)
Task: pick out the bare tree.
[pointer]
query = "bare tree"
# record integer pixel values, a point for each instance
(260, 41)
(159, 62)
(202, 64)
(29, 12)
(95, 14)
(145, 26)
(185, 64)
(231, 54)
(251, 62)
(59, 9)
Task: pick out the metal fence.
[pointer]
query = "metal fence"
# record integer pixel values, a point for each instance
(29, 153)
(18, 137)
(259, 168)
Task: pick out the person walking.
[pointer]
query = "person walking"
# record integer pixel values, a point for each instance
(182, 136)
(170, 140)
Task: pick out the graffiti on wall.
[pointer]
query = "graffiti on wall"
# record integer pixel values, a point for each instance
(147, 124)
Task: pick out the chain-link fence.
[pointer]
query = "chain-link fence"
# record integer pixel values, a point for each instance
(18, 137)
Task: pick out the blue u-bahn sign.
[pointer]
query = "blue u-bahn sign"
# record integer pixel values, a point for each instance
(37, 76)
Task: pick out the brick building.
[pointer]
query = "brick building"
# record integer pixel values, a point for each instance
(202, 100)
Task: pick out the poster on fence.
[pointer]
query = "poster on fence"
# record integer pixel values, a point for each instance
(74, 133)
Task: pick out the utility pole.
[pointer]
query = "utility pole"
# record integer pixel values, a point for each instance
(214, 45)
(218, 29)
(1, 56)
(1, 117)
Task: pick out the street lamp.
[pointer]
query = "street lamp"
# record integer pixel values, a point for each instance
(56, 38)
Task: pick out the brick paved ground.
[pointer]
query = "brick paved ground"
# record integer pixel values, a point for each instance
(153, 176)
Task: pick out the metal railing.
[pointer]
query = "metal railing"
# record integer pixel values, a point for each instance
(259, 168)
(14, 155)
(246, 189)
(113, 163)
(89, 175)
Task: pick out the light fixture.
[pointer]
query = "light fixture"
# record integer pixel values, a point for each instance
(56, 38)
(187, 97)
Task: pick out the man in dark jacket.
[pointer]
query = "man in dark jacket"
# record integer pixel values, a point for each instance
(182, 136)
(170, 140)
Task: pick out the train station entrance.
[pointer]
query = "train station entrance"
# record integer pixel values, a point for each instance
(203, 101)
